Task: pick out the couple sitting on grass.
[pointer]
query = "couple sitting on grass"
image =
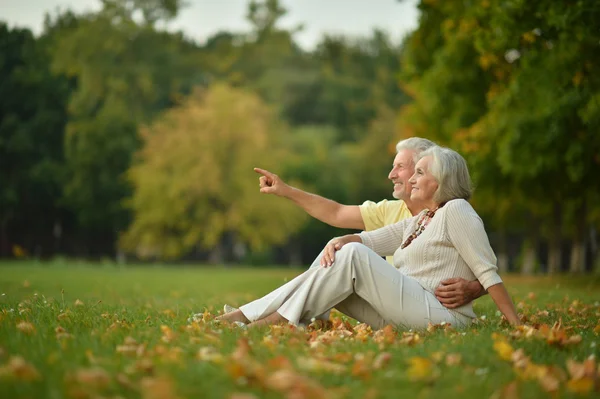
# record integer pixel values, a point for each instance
(442, 258)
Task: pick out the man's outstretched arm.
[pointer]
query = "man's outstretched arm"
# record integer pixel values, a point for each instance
(328, 211)
(456, 292)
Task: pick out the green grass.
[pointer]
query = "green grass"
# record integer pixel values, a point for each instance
(136, 301)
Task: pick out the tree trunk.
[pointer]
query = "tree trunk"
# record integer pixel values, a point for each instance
(295, 253)
(530, 247)
(4, 249)
(502, 253)
(555, 242)
(529, 257)
(577, 256)
(216, 256)
(595, 250)
(577, 263)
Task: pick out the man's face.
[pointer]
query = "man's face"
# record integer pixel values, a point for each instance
(401, 172)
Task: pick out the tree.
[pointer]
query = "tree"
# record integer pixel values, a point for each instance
(193, 179)
(125, 72)
(32, 109)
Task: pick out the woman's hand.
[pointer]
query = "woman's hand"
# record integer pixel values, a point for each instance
(334, 245)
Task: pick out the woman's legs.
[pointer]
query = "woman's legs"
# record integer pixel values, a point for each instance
(382, 294)
(269, 304)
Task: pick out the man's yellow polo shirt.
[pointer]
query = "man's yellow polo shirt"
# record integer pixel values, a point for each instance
(383, 213)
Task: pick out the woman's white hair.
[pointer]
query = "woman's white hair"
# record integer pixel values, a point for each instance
(450, 170)
(416, 144)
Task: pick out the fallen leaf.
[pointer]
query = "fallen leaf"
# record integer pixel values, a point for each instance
(96, 378)
(293, 385)
(157, 388)
(503, 349)
(209, 354)
(382, 360)
(18, 368)
(453, 359)
(320, 365)
(421, 369)
(242, 395)
(26, 327)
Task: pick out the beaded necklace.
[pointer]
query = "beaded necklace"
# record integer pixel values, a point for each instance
(421, 224)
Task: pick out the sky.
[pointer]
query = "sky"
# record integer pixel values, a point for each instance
(202, 18)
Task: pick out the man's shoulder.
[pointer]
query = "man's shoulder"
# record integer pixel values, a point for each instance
(389, 211)
(387, 204)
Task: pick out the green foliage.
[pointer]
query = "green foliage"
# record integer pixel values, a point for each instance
(511, 85)
(125, 74)
(32, 119)
(194, 180)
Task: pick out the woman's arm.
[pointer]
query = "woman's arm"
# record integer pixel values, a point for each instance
(504, 303)
(386, 240)
(467, 234)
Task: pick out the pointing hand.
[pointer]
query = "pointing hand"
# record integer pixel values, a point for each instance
(270, 183)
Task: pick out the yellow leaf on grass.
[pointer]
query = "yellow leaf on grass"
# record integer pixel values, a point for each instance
(582, 386)
(503, 349)
(421, 368)
(312, 364)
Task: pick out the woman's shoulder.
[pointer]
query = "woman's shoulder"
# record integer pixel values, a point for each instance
(459, 206)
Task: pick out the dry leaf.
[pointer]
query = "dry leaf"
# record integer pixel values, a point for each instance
(242, 395)
(209, 354)
(503, 349)
(157, 388)
(320, 365)
(421, 369)
(382, 360)
(18, 368)
(453, 359)
(96, 378)
(26, 327)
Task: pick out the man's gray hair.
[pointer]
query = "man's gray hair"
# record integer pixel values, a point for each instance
(416, 144)
(450, 170)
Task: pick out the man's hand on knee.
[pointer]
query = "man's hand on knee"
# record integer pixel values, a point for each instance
(456, 292)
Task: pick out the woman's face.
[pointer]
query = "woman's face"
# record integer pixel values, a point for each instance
(423, 183)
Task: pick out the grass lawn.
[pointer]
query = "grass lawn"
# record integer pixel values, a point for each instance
(93, 331)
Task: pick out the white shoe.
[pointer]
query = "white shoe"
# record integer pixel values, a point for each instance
(228, 309)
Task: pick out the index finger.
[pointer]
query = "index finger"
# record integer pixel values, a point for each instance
(264, 172)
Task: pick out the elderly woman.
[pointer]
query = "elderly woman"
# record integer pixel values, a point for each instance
(445, 240)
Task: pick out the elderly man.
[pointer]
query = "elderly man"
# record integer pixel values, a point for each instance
(452, 293)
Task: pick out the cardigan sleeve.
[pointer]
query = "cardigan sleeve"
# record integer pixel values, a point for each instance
(467, 234)
(386, 240)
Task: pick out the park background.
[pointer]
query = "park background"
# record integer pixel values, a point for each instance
(122, 141)
(126, 184)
